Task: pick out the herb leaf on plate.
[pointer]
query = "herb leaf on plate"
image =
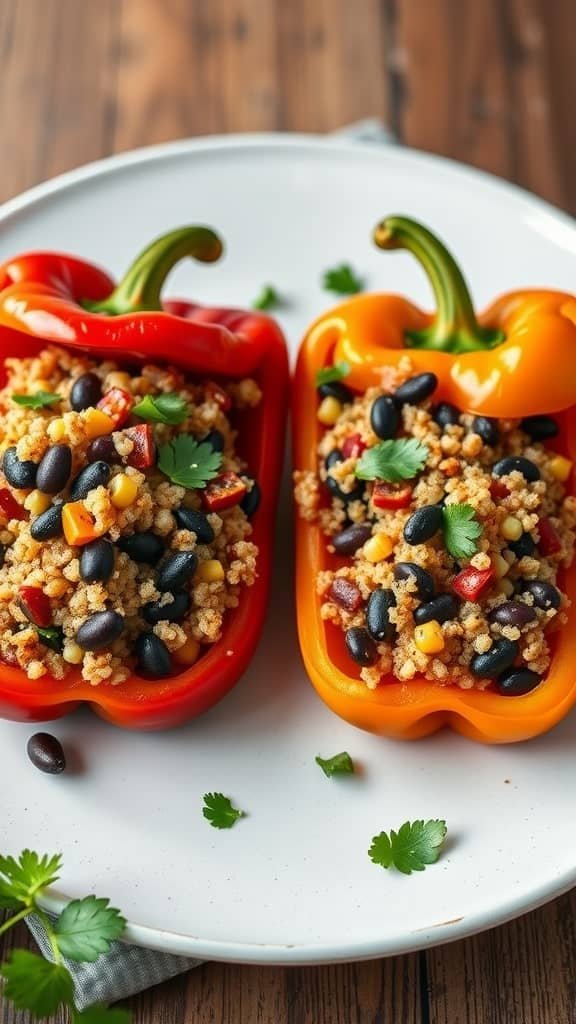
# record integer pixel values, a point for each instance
(340, 764)
(38, 400)
(219, 811)
(392, 461)
(461, 530)
(189, 463)
(166, 408)
(415, 845)
(86, 928)
(22, 878)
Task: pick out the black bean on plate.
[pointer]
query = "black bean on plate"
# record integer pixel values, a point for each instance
(86, 391)
(349, 540)
(539, 428)
(196, 522)
(378, 608)
(54, 469)
(423, 524)
(19, 472)
(153, 657)
(144, 547)
(176, 570)
(416, 389)
(518, 463)
(48, 524)
(384, 417)
(441, 608)
(487, 429)
(545, 594)
(445, 415)
(424, 579)
(517, 682)
(501, 656)
(361, 646)
(97, 561)
(100, 630)
(96, 474)
(46, 753)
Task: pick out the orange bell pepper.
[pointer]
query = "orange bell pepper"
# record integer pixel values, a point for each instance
(517, 360)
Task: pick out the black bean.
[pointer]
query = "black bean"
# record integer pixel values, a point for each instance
(100, 630)
(384, 417)
(353, 537)
(361, 646)
(545, 594)
(487, 429)
(155, 612)
(54, 469)
(355, 494)
(153, 655)
(97, 561)
(336, 389)
(97, 474)
(424, 579)
(378, 615)
(423, 524)
(525, 545)
(176, 570)
(445, 414)
(517, 682)
(529, 470)
(333, 458)
(142, 547)
(539, 428)
(86, 391)
(196, 522)
(251, 501)
(441, 608)
(512, 613)
(215, 439)
(46, 753)
(48, 524)
(19, 472)
(501, 656)
(102, 449)
(416, 389)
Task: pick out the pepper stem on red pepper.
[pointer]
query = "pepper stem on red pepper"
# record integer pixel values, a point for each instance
(455, 327)
(140, 288)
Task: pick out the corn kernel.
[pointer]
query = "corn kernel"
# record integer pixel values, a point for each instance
(500, 566)
(72, 653)
(329, 411)
(123, 490)
(96, 423)
(210, 571)
(118, 379)
(429, 637)
(37, 502)
(511, 528)
(377, 548)
(505, 586)
(56, 429)
(560, 468)
(188, 653)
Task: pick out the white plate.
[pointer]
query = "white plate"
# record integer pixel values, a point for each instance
(292, 882)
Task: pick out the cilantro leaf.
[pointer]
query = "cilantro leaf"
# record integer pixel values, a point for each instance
(329, 374)
(99, 1014)
(188, 463)
(267, 299)
(342, 280)
(37, 400)
(52, 637)
(340, 764)
(22, 879)
(392, 460)
(415, 845)
(86, 928)
(168, 408)
(218, 810)
(36, 984)
(461, 530)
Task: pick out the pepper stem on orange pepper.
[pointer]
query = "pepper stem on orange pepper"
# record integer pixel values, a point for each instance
(455, 327)
(140, 288)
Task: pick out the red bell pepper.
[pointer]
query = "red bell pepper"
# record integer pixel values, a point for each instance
(549, 543)
(117, 404)
(49, 297)
(470, 583)
(391, 496)
(143, 453)
(353, 447)
(223, 492)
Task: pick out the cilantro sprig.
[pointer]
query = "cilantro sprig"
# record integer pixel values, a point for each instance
(461, 530)
(168, 408)
(392, 460)
(85, 929)
(331, 374)
(38, 400)
(268, 298)
(415, 845)
(219, 811)
(189, 463)
(342, 280)
(340, 764)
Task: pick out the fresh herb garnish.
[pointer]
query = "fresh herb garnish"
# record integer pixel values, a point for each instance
(52, 637)
(219, 811)
(189, 463)
(415, 845)
(37, 400)
(85, 929)
(267, 299)
(330, 374)
(392, 460)
(342, 280)
(461, 530)
(340, 764)
(169, 408)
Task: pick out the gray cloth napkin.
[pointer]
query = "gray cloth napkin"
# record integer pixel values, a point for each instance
(126, 969)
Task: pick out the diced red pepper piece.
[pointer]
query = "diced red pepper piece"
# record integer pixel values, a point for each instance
(143, 453)
(35, 605)
(391, 496)
(223, 492)
(549, 543)
(117, 404)
(215, 393)
(9, 507)
(498, 489)
(345, 593)
(470, 583)
(353, 447)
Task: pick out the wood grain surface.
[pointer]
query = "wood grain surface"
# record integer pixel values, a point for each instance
(489, 82)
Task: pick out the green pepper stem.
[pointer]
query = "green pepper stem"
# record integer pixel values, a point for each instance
(140, 288)
(455, 327)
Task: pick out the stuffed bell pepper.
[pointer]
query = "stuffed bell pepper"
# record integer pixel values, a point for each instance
(141, 445)
(436, 511)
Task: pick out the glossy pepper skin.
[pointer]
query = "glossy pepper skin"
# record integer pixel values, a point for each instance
(370, 332)
(42, 299)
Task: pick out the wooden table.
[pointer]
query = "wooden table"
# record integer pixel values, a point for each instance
(489, 82)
